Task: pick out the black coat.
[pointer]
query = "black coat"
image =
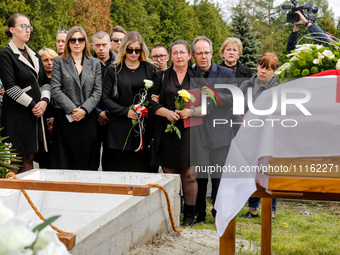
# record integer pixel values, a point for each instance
(119, 124)
(242, 72)
(22, 83)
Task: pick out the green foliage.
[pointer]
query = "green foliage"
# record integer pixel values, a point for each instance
(46, 16)
(241, 28)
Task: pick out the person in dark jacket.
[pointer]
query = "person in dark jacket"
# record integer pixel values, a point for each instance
(221, 134)
(76, 90)
(27, 92)
(101, 44)
(263, 80)
(128, 72)
(317, 33)
(231, 51)
(174, 154)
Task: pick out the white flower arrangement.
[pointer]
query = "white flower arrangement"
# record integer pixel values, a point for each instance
(19, 238)
(308, 59)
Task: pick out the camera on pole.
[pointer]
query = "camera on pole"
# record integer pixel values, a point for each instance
(306, 10)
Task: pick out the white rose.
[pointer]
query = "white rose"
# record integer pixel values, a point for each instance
(148, 83)
(5, 214)
(53, 249)
(15, 236)
(338, 64)
(47, 242)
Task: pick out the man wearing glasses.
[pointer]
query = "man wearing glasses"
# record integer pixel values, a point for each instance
(61, 40)
(221, 134)
(117, 35)
(160, 57)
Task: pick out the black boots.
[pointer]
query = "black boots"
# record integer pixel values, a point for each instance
(189, 215)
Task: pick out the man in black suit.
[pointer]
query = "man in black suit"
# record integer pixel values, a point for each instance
(101, 43)
(221, 134)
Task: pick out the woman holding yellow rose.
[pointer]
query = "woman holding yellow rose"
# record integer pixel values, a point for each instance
(173, 152)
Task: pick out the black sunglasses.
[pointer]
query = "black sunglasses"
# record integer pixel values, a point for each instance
(116, 39)
(74, 40)
(130, 51)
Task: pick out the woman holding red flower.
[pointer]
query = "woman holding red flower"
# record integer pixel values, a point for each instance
(122, 91)
(173, 151)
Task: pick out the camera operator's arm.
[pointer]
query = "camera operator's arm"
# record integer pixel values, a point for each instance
(313, 29)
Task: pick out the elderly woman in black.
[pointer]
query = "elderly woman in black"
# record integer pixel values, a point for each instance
(122, 84)
(174, 153)
(27, 92)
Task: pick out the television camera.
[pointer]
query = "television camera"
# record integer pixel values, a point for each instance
(306, 10)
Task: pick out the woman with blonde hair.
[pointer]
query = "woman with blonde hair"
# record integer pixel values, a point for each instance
(231, 51)
(47, 55)
(76, 90)
(122, 83)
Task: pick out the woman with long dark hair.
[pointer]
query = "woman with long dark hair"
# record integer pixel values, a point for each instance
(27, 92)
(76, 90)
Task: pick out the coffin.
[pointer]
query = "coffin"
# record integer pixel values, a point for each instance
(102, 223)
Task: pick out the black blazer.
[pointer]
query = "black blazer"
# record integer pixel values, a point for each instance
(160, 82)
(25, 85)
(119, 124)
(221, 134)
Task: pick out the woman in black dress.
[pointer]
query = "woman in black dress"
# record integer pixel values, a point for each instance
(76, 90)
(176, 155)
(126, 76)
(27, 92)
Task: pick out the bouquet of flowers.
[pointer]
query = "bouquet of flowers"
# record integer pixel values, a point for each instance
(17, 237)
(308, 59)
(181, 101)
(142, 111)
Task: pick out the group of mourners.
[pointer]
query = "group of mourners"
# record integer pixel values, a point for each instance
(68, 110)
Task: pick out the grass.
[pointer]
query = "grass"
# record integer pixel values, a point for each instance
(301, 228)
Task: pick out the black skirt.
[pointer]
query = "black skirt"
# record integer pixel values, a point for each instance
(74, 143)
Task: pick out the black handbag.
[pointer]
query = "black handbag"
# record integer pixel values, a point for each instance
(114, 93)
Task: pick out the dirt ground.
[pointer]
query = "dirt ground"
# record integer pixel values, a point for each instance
(190, 241)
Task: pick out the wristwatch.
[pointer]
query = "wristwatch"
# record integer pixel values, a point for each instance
(306, 24)
(193, 111)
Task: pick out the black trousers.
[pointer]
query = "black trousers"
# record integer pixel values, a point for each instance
(217, 157)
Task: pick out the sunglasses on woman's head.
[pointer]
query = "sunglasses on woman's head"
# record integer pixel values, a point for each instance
(130, 51)
(74, 40)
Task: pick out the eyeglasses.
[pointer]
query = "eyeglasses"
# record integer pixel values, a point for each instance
(61, 30)
(200, 54)
(161, 57)
(130, 51)
(81, 40)
(181, 53)
(24, 27)
(116, 39)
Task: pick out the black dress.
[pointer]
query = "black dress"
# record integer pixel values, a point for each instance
(188, 151)
(129, 84)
